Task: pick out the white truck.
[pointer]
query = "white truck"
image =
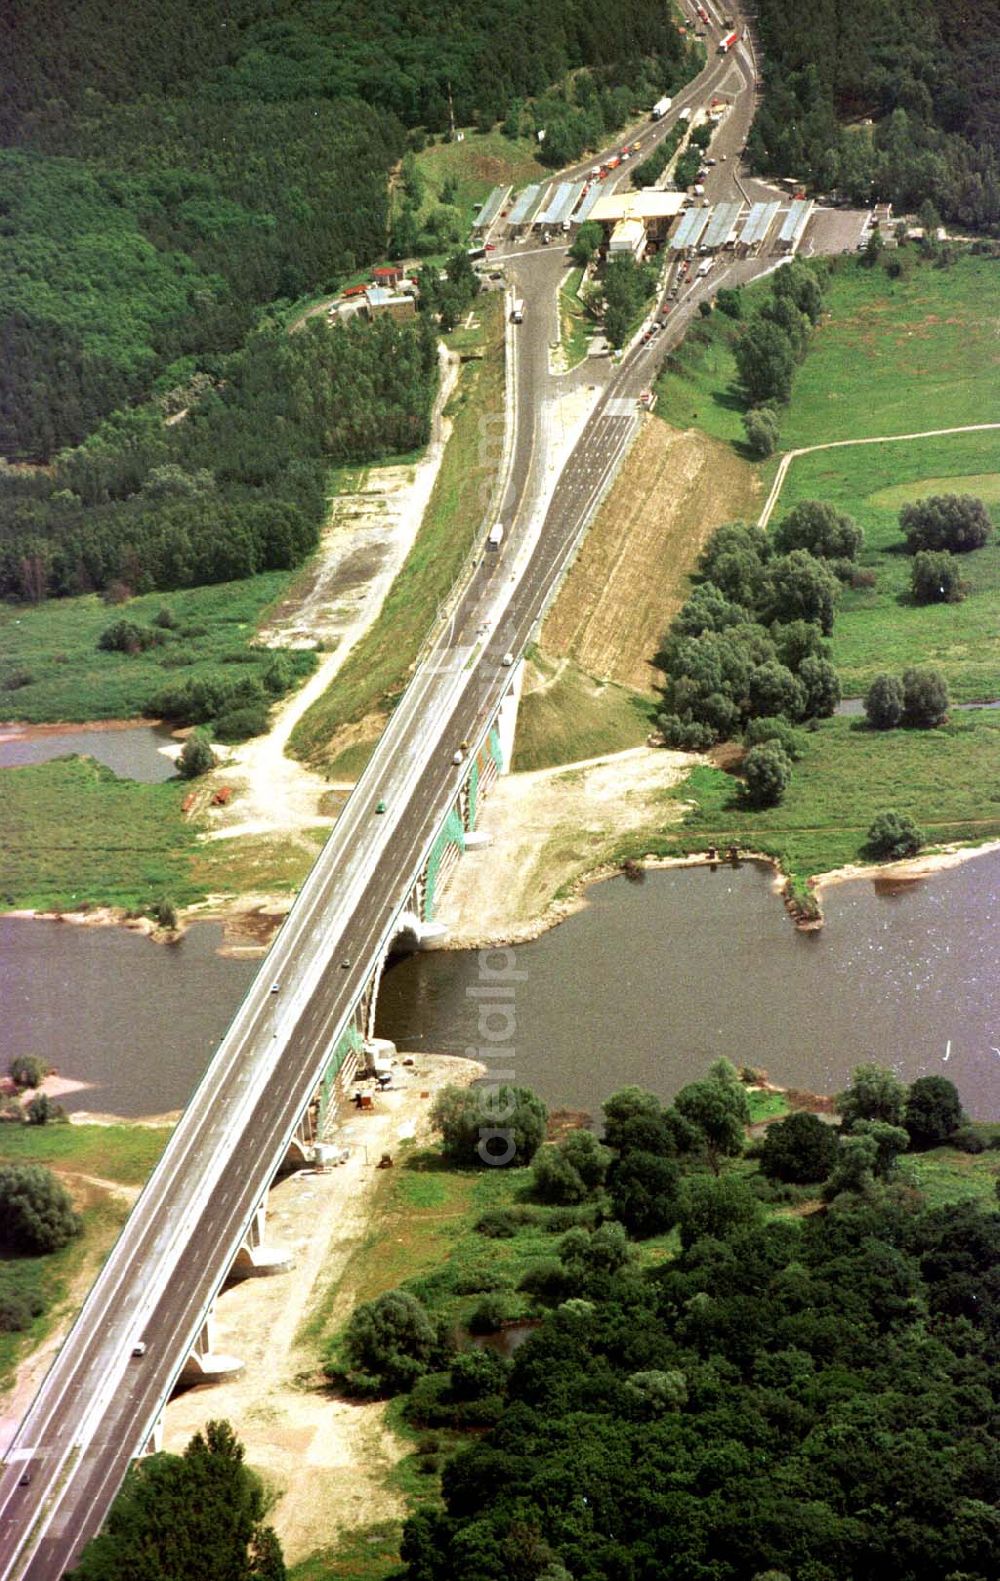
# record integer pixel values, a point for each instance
(661, 107)
(517, 311)
(495, 538)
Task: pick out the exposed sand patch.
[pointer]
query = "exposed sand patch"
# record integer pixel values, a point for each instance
(551, 829)
(630, 576)
(326, 1457)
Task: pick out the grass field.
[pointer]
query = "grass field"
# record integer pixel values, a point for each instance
(75, 834)
(889, 357)
(571, 716)
(379, 667)
(879, 628)
(480, 162)
(946, 779)
(120, 1153)
(574, 325)
(898, 356)
(56, 642)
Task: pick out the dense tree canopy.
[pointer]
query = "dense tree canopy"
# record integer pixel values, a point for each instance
(200, 1513)
(923, 72)
(808, 1397)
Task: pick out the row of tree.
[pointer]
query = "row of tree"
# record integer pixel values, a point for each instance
(749, 643)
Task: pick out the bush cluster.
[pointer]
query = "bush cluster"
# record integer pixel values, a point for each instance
(920, 698)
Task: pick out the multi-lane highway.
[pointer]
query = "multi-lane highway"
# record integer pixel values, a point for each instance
(99, 1401)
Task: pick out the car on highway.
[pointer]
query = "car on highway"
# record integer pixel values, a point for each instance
(345, 964)
(458, 756)
(507, 660)
(276, 988)
(380, 806)
(139, 1348)
(25, 1479)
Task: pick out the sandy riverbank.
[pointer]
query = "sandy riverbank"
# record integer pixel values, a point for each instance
(325, 1457)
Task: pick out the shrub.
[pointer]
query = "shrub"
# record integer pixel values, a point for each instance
(36, 1213)
(822, 686)
(17, 1308)
(731, 303)
(125, 636)
(27, 1070)
(936, 579)
(499, 1224)
(884, 702)
(392, 1339)
(685, 735)
(968, 1140)
(776, 729)
(166, 619)
(490, 1314)
(768, 773)
(827, 533)
(569, 1172)
(925, 698)
(933, 1111)
(760, 424)
(239, 724)
(16, 679)
(501, 1125)
(196, 757)
(875, 1093)
(958, 522)
(893, 836)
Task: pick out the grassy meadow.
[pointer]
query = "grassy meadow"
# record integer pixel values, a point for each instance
(945, 779)
(73, 833)
(889, 357)
(880, 628)
(74, 681)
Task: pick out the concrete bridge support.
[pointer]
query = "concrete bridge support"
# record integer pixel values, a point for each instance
(205, 1364)
(506, 723)
(154, 1443)
(255, 1258)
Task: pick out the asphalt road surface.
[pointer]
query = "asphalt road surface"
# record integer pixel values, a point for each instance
(98, 1404)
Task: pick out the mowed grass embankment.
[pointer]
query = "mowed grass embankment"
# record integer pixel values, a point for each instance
(74, 681)
(379, 667)
(880, 628)
(888, 357)
(90, 1161)
(74, 835)
(566, 716)
(946, 779)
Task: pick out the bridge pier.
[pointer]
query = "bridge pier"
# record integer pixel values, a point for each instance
(205, 1364)
(255, 1258)
(506, 721)
(154, 1443)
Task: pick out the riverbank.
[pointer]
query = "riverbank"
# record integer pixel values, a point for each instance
(328, 1461)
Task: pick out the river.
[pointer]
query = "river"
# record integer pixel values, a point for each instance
(656, 979)
(648, 984)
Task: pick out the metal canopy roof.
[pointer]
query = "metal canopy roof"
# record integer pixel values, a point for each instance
(525, 204)
(722, 224)
(795, 220)
(689, 231)
(758, 222)
(491, 208)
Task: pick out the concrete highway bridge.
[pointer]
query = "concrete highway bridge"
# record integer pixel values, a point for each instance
(305, 1018)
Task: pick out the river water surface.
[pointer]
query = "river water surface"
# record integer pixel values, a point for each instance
(656, 979)
(135, 752)
(648, 984)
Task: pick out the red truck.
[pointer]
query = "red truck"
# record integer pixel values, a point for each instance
(702, 13)
(726, 44)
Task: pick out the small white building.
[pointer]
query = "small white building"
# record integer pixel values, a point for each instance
(628, 236)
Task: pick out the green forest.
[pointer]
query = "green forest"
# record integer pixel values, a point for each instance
(166, 173)
(925, 74)
(749, 1357)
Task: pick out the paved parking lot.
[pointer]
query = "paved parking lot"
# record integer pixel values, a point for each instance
(833, 231)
